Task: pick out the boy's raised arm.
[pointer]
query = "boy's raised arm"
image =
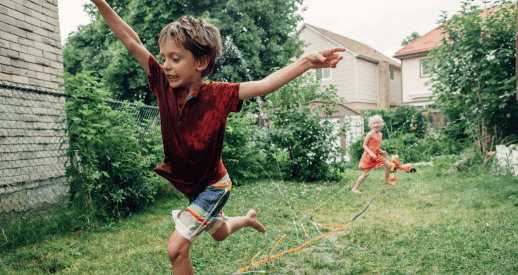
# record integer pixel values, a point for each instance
(322, 59)
(125, 33)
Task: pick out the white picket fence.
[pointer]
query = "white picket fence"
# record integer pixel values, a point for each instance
(508, 158)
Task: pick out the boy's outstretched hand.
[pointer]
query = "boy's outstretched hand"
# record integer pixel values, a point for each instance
(324, 59)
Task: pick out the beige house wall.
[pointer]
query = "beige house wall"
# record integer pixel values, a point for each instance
(415, 91)
(396, 88)
(367, 86)
(344, 75)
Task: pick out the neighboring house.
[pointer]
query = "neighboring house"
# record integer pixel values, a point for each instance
(365, 78)
(415, 65)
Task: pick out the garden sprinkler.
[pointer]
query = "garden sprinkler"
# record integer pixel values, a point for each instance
(395, 164)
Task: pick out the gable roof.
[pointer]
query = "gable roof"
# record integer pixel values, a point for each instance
(422, 45)
(359, 49)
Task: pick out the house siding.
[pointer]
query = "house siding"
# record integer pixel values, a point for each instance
(367, 78)
(414, 87)
(343, 76)
(395, 86)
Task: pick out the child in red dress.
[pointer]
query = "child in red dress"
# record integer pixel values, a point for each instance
(373, 156)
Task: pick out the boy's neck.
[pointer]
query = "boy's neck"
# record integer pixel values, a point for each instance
(191, 88)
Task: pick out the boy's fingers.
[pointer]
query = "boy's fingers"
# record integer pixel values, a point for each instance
(332, 51)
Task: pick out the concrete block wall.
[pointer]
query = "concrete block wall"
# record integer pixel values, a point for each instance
(32, 163)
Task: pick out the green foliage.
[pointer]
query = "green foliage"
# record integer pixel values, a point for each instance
(473, 79)
(298, 132)
(403, 119)
(410, 38)
(409, 133)
(263, 30)
(240, 157)
(111, 158)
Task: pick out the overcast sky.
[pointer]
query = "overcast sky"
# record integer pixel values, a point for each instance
(380, 24)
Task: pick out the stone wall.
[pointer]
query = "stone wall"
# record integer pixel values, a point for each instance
(32, 159)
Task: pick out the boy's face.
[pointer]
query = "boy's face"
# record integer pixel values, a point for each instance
(179, 64)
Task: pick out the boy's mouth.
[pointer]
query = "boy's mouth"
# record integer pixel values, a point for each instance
(172, 77)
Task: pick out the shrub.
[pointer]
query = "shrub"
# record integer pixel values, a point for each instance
(110, 163)
(298, 134)
(239, 156)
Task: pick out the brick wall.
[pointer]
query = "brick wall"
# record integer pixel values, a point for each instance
(31, 160)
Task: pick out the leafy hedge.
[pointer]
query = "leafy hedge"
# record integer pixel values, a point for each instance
(111, 158)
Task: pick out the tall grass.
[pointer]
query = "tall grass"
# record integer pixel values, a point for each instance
(432, 222)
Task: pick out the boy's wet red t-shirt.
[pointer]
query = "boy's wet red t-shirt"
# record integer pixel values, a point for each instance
(192, 130)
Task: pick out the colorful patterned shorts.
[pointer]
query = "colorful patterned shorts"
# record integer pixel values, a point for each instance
(205, 212)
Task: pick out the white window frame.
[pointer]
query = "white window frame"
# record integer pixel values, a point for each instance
(422, 63)
(323, 70)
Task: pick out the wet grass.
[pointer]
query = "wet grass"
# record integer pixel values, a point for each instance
(430, 223)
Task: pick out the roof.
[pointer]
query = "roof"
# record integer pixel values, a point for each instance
(423, 44)
(356, 47)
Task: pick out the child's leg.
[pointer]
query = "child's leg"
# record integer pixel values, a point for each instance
(387, 165)
(178, 252)
(235, 223)
(360, 180)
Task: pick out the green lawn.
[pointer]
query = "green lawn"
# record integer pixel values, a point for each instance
(430, 223)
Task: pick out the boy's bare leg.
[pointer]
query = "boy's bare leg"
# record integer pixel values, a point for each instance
(360, 180)
(388, 165)
(178, 252)
(235, 223)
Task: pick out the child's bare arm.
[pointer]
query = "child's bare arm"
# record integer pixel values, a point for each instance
(323, 59)
(366, 147)
(125, 33)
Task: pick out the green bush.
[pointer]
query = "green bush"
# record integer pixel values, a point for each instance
(111, 158)
(239, 156)
(299, 137)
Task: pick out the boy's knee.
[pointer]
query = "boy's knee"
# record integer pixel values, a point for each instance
(177, 253)
(218, 237)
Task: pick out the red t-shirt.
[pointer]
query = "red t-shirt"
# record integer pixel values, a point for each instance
(192, 130)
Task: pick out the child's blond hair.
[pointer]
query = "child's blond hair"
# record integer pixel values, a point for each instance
(372, 119)
(197, 36)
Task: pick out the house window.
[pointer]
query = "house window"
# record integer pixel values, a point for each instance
(323, 74)
(426, 67)
(391, 74)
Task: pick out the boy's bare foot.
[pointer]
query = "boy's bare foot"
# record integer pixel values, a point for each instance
(253, 222)
(356, 191)
(389, 183)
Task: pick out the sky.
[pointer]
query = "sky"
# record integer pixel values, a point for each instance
(380, 24)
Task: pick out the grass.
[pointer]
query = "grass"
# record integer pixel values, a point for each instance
(430, 223)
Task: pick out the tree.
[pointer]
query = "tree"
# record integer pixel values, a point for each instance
(410, 38)
(474, 75)
(263, 32)
(298, 132)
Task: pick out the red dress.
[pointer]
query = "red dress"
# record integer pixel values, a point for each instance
(366, 162)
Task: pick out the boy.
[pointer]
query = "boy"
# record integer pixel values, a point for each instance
(193, 117)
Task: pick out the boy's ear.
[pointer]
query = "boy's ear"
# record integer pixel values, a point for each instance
(203, 63)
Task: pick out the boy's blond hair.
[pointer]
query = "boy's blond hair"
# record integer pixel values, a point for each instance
(376, 118)
(197, 36)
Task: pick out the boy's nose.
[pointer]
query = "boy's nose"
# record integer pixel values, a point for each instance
(167, 65)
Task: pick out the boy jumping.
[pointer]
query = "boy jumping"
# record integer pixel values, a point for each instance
(193, 117)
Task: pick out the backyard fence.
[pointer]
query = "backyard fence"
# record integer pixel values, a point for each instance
(507, 158)
(33, 145)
